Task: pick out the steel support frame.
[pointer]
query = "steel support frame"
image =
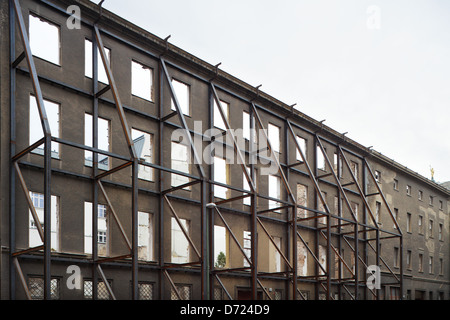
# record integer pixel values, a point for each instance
(208, 274)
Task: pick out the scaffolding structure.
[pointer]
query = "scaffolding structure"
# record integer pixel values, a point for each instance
(363, 237)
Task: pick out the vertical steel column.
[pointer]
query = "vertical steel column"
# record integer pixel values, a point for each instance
(401, 267)
(365, 188)
(316, 223)
(161, 185)
(47, 216)
(94, 169)
(205, 244)
(291, 228)
(253, 207)
(12, 150)
(210, 197)
(134, 230)
(339, 228)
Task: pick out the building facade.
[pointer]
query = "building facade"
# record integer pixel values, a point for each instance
(131, 169)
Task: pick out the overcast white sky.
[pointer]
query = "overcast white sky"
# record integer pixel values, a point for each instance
(388, 87)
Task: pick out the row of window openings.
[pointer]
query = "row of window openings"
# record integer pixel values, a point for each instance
(36, 289)
(144, 146)
(145, 290)
(180, 250)
(420, 195)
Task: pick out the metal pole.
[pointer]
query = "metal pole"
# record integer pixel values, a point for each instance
(205, 244)
(47, 217)
(94, 169)
(161, 185)
(134, 231)
(12, 150)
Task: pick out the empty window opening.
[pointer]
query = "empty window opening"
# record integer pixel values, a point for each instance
(396, 257)
(218, 121)
(408, 222)
(302, 259)
(102, 229)
(44, 39)
(180, 244)
(143, 144)
(88, 62)
(322, 259)
(274, 191)
(377, 176)
(246, 125)
(440, 231)
(395, 184)
(103, 134)
(182, 93)
(321, 207)
(408, 190)
(408, 259)
(335, 162)
(220, 247)
(36, 133)
(247, 201)
(420, 195)
(247, 247)
(430, 265)
(145, 236)
(34, 239)
(141, 81)
(180, 154)
(355, 209)
(302, 200)
(420, 262)
(377, 211)
(320, 159)
(275, 256)
(354, 167)
(430, 229)
(395, 217)
(420, 224)
(273, 133)
(221, 176)
(302, 144)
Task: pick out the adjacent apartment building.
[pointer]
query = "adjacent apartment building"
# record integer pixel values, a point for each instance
(131, 169)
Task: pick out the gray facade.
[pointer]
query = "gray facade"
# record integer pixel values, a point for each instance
(341, 207)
